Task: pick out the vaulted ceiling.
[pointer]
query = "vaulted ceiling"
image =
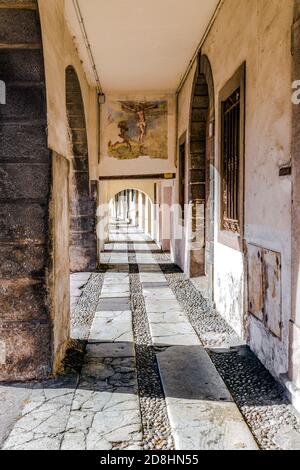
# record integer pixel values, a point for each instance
(140, 45)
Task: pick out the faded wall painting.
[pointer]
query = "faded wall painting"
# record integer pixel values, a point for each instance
(137, 128)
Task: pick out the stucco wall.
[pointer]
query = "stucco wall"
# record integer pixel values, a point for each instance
(258, 32)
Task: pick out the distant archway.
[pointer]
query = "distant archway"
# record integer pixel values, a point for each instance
(201, 174)
(133, 206)
(83, 242)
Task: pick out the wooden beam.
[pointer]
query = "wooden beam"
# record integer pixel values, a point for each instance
(18, 5)
(28, 45)
(158, 176)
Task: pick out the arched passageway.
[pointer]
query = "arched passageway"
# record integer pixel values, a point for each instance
(25, 175)
(133, 207)
(201, 171)
(83, 243)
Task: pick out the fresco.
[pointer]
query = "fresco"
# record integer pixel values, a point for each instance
(137, 128)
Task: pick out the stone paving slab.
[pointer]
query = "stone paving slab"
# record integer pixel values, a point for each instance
(113, 304)
(111, 350)
(105, 411)
(173, 334)
(157, 306)
(44, 417)
(12, 400)
(202, 413)
(111, 327)
(173, 316)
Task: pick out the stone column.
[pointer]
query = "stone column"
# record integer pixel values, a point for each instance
(136, 205)
(143, 207)
(25, 166)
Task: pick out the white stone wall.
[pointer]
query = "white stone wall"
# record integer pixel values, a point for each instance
(257, 32)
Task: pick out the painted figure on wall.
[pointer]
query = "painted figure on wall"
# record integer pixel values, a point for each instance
(142, 127)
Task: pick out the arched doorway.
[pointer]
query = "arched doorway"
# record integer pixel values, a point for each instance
(83, 242)
(26, 327)
(201, 172)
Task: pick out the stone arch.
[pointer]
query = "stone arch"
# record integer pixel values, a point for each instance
(26, 328)
(201, 174)
(83, 242)
(133, 188)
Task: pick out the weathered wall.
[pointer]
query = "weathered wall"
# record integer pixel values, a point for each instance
(258, 32)
(294, 366)
(142, 165)
(59, 280)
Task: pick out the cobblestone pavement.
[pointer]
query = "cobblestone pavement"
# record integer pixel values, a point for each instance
(151, 366)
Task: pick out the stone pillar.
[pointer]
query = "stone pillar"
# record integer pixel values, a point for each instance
(143, 215)
(25, 167)
(149, 217)
(136, 205)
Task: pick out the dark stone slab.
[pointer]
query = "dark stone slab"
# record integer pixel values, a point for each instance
(23, 221)
(81, 180)
(201, 102)
(23, 300)
(76, 121)
(198, 131)
(197, 176)
(22, 260)
(23, 142)
(80, 149)
(84, 205)
(80, 163)
(28, 351)
(83, 259)
(21, 65)
(24, 181)
(79, 136)
(83, 239)
(197, 191)
(23, 103)
(198, 162)
(83, 223)
(199, 115)
(18, 26)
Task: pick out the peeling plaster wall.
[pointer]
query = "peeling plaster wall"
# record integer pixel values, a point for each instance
(258, 32)
(142, 165)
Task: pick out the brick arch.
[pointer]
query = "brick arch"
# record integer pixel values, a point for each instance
(201, 163)
(83, 244)
(26, 328)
